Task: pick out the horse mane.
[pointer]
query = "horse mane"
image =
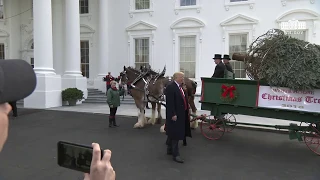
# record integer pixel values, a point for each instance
(132, 68)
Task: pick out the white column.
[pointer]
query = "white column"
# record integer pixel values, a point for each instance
(72, 77)
(42, 23)
(72, 38)
(103, 50)
(48, 91)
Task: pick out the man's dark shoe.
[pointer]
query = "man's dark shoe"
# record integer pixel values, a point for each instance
(169, 152)
(184, 142)
(178, 159)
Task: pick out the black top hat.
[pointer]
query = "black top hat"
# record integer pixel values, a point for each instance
(217, 56)
(226, 57)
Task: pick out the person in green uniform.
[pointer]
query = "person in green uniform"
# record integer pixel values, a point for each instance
(113, 100)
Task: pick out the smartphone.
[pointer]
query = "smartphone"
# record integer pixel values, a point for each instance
(75, 156)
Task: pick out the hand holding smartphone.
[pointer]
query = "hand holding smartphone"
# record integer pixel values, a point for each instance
(94, 162)
(75, 156)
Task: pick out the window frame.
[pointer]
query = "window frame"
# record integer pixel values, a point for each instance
(140, 29)
(87, 7)
(85, 74)
(133, 10)
(144, 1)
(234, 61)
(196, 7)
(228, 3)
(231, 26)
(194, 28)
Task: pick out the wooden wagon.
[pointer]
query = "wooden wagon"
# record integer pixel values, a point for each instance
(254, 98)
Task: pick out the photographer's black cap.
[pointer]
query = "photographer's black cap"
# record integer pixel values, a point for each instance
(17, 80)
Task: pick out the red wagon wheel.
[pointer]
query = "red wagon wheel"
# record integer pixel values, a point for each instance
(212, 128)
(311, 137)
(231, 122)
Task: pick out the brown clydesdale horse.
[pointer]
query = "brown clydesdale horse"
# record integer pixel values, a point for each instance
(154, 83)
(189, 87)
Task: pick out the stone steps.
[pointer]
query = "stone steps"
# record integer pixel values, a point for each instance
(97, 96)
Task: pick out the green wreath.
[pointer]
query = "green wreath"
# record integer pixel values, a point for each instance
(228, 93)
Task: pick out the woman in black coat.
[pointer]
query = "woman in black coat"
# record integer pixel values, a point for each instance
(187, 125)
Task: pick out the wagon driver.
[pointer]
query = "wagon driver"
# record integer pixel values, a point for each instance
(177, 126)
(220, 67)
(226, 62)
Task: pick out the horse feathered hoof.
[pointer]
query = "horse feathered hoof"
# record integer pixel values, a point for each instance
(138, 125)
(162, 129)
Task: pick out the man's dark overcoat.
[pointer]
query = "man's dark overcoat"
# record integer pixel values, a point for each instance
(219, 70)
(176, 130)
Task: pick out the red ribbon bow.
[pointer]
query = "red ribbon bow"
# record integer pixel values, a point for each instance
(228, 90)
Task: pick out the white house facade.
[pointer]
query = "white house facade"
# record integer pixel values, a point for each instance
(74, 43)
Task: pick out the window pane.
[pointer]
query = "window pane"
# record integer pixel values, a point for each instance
(183, 2)
(188, 2)
(238, 44)
(188, 55)
(297, 34)
(2, 51)
(142, 4)
(85, 61)
(141, 52)
(84, 6)
(32, 62)
(87, 70)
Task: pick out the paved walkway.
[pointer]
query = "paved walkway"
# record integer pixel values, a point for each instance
(140, 154)
(131, 110)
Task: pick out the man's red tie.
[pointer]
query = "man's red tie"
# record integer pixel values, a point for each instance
(184, 98)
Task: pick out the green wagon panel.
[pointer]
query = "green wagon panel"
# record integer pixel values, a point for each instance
(217, 109)
(245, 103)
(246, 91)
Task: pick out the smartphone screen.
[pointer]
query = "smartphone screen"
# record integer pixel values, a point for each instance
(75, 156)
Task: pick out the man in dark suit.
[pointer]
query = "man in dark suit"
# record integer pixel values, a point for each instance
(226, 62)
(220, 67)
(177, 111)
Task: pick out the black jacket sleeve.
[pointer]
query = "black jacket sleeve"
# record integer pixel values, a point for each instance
(219, 71)
(170, 100)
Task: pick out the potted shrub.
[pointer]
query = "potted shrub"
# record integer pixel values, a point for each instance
(72, 95)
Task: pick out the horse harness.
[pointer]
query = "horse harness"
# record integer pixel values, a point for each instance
(146, 77)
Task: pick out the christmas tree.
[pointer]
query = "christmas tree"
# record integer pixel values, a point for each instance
(283, 61)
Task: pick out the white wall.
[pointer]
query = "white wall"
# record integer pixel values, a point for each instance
(214, 38)
(205, 21)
